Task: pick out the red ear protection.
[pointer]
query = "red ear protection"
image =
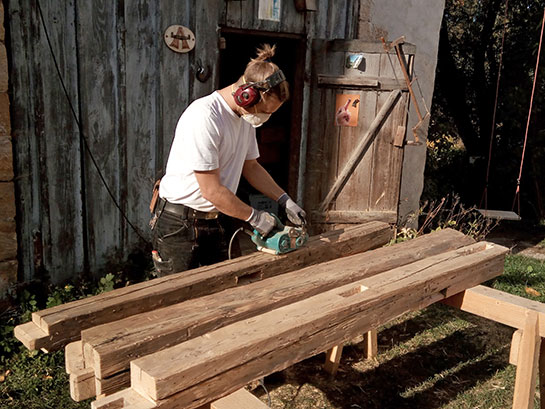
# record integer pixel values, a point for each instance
(247, 96)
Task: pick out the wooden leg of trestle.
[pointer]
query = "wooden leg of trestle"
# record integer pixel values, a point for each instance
(527, 363)
(370, 345)
(542, 374)
(333, 359)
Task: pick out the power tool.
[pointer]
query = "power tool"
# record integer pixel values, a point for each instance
(282, 239)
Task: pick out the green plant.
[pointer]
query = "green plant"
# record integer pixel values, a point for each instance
(106, 283)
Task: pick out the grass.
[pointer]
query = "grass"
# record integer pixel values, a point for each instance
(434, 358)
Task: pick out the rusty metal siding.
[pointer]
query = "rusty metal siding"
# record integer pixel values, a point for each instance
(128, 90)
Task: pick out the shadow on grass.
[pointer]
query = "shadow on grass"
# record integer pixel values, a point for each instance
(425, 376)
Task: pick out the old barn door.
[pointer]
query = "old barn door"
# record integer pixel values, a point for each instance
(358, 120)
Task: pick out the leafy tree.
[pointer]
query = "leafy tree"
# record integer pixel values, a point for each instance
(468, 64)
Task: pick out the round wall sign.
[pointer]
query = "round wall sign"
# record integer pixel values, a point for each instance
(179, 39)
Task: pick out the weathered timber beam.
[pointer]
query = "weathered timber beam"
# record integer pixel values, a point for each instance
(496, 305)
(55, 327)
(194, 372)
(109, 348)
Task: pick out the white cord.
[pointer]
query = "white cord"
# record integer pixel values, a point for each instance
(231, 241)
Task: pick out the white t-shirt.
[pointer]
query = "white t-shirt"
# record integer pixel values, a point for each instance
(209, 135)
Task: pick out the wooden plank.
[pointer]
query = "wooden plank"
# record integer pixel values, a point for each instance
(51, 222)
(366, 47)
(387, 159)
(499, 214)
(142, 101)
(102, 85)
(525, 381)
(175, 75)
(498, 306)
(65, 322)
(109, 348)
(375, 83)
(73, 357)
(333, 359)
(354, 196)
(235, 352)
(370, 344)
(347, 82)
(82, 384)
(542, 374)
(515, 347)
(360, 150)
(353, 216)
(241, 399)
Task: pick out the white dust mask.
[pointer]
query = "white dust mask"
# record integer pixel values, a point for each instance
(257, 119)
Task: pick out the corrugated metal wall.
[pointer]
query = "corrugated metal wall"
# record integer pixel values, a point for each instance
(128, 90)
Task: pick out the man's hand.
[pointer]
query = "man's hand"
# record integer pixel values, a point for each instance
(263, 222)
(295, 214)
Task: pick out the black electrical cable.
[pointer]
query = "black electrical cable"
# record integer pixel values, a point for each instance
(80, 128)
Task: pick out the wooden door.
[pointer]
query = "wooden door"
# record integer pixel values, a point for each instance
(371, 190)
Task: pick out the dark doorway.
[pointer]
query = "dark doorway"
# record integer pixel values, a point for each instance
(279, 138)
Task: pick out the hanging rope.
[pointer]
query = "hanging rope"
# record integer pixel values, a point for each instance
(493, 128)
(516, 199)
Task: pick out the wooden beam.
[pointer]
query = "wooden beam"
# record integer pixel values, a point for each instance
(109, 348)
(360, 150)
(55, 327)
(525, 382)
(191, 373)
(498, 306)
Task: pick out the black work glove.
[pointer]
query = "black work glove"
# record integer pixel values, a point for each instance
(262, 221)
(295, 214)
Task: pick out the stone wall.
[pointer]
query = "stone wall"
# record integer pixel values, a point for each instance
(8, 236)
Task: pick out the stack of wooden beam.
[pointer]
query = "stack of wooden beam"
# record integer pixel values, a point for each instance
(186, 340)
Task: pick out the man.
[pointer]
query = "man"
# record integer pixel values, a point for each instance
(214, 144)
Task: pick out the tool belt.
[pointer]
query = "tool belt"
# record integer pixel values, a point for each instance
(185, 212)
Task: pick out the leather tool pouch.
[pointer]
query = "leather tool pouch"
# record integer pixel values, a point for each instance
(154, 197)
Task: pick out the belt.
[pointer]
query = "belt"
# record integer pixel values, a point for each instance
(185, 212)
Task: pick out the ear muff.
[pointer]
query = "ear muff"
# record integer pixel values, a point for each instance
(246, 96)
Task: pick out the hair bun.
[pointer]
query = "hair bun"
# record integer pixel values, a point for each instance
(265, 52)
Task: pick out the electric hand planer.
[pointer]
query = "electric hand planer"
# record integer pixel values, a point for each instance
(282, 239)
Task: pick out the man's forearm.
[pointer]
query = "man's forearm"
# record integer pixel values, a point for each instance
(260, 179)
(228, 203)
